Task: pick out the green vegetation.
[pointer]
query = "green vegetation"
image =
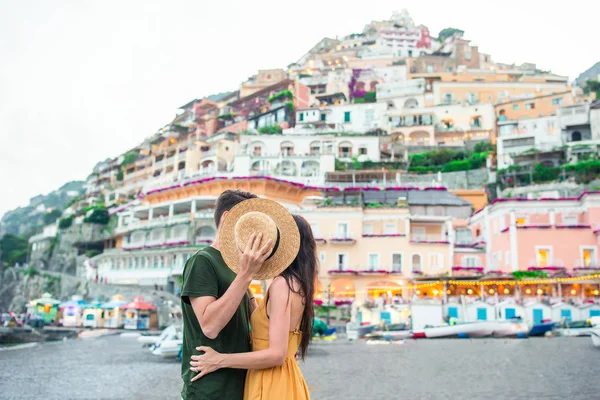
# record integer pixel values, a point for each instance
(92, 253)
(270, 130)
(592, 86)
(227, 116)
(129, 158)
(284, 94)
(447, 32)
(290, 106)
(582, 171)
(52, 216)
(370, 97)
(529, 274)
(73, 201)
(13, 249)
(30, 271)
(98, 214)
(445, 160)
(119, 174)
(300, 76)
(65, 222)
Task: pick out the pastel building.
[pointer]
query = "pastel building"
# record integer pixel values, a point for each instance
(346, 118)
(545, 234)
(518, 136)
(447, 126)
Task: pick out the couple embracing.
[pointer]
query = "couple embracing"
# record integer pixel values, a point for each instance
(233, 347)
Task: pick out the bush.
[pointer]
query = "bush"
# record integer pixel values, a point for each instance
(97, 216)
(281, 95)
(457, 165)
(129, 158)
(119, 174)
(270, 130)
(92, 253)
(483, 147)
(65, 222)
(30, 271)
(370, 97)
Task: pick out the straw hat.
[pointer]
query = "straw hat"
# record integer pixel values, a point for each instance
(260, 216)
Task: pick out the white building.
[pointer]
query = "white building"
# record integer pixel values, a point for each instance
(518, 136)
(402, 94)
(346, 118)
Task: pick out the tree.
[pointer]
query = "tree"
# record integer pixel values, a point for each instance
(14, 249)
(592, 86)
(447, 32)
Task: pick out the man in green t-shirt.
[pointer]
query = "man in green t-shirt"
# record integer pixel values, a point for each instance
(216, 309)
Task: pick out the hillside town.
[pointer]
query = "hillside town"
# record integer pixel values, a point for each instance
(427, 170)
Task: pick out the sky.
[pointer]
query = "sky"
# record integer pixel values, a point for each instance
(81, 81)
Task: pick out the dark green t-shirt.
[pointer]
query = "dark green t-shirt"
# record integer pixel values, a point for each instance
(206, 274)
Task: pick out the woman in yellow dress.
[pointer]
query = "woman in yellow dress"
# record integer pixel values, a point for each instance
(281, 326)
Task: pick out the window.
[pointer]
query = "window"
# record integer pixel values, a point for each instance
(416, 263)
(368, 229)
(520, 221)
(301, 116)
(464, 236)
(447, 98)
(529, 106)
(515, 107)
(576, 136)
(369, 116)
(472, 98)
(323, 117)
(390, 228)
(557, 101)
(429, 68)
(588, 257)
(418, 234)
(362, 151)
(468, 56)
(436, 260)
(346, 116)
(543, 256)
(373, 261)
(397, 262)
(315, 230)
(471, 261)
(342, 230)
(570, 220)
(449, 69)
(342, 261)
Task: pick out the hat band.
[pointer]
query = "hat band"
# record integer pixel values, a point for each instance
(276, 245)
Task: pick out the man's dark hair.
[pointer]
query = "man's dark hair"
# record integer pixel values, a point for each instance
(229, 199)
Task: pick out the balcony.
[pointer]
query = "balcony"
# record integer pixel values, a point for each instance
(428, 239)
(342, 239)
(159, 164)
(581, 265)
(552, 266)
(204, 240)
(576, 115)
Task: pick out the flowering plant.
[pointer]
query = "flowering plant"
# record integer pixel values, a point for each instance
(534, 226)
(339, 303)
(460, 268)
(342, 240)
(549, 268)
(430, 241)
(385, 235)
(379, 271)
(579, 226)
(342, 272)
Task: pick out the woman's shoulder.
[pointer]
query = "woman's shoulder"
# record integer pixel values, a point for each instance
(282, 285)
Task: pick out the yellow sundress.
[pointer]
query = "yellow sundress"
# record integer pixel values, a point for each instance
(278, 383)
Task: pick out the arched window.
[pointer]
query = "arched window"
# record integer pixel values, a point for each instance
(576, 136)
(416, 263)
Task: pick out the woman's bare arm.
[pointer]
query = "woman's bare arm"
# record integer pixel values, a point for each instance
(279, 328)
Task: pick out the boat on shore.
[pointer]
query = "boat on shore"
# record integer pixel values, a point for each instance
(596, 337)
(542, 328)
(475, 330)
(147, 339)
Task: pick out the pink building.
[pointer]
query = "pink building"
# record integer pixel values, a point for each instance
(553, 235)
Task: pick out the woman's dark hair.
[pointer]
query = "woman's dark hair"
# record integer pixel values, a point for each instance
(229, 199)
(303, 272)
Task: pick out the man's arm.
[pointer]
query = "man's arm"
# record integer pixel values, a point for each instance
(212, 313)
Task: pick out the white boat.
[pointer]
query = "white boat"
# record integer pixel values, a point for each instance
(596, 337)
(167, 348)
(473, 329)
(170, 332)
(575, 332)
(510, 329)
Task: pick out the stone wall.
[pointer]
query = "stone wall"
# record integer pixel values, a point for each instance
(473, 179)
(562, 189)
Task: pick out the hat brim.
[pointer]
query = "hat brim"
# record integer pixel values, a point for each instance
(289, 237)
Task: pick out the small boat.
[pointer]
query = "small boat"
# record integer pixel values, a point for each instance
(510, 328)
(169, 348)
(576, 329)
(389, 335)
(596, 337)
(472, 330)
(541, 328)
(172, 332)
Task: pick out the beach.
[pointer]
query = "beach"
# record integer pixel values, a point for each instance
(115, 367)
